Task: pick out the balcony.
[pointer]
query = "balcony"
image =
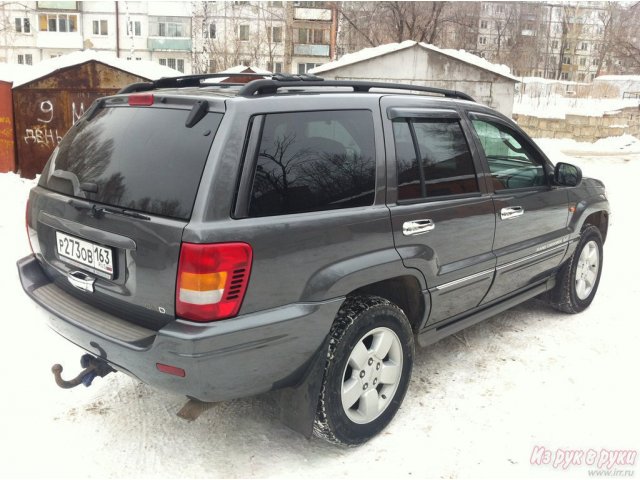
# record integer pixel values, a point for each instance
(71, 40)
(169, 44)
(308, 50)
(323, 14)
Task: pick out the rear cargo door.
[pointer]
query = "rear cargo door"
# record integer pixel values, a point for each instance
(112, 203)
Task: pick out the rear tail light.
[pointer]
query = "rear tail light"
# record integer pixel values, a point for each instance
(212, 280)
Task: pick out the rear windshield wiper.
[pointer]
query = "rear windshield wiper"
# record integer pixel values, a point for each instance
(98, 212)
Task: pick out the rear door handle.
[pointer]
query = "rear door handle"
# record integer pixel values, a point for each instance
(417, 227)
(508, 213)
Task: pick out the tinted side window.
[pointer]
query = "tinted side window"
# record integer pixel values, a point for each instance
(512, 165)
(311, 161)
(433, 159)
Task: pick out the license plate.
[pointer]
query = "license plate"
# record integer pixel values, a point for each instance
(93, 257)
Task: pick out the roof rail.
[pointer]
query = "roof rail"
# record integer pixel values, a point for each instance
(185, 81)
(265, 86)
(262, 86)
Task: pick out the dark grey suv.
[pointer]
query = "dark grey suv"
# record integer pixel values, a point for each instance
(299, 235)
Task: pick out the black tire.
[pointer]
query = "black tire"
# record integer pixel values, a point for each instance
(360, 319)
(564, 296)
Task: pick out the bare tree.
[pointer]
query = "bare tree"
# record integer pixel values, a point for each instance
(625, 40)
(376, 23)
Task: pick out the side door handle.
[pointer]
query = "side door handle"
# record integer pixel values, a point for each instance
(508, 213)
(417, 227)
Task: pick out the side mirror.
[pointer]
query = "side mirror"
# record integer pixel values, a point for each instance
(567, 175)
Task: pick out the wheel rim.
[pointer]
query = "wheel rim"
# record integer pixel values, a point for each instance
(587, 270)
(372, 375)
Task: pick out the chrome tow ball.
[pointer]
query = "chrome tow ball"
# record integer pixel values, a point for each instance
(92, 367)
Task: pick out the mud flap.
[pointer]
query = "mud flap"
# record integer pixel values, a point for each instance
(299, 404)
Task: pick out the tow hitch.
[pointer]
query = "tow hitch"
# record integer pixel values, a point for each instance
(93, 367)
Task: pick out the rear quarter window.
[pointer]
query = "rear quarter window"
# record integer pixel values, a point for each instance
(311, 161)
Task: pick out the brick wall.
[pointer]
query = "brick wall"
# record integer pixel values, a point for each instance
(582, 128)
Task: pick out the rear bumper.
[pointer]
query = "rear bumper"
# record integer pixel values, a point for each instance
(233, 358)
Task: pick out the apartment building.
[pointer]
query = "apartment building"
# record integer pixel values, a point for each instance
(556, 40)
(192, 37)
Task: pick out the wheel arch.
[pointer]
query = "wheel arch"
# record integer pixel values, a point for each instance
(403, 291)
(600, 220)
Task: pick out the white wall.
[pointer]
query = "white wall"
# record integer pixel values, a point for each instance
(421, 67)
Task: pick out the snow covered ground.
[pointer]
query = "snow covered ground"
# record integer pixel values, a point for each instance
(477, 405)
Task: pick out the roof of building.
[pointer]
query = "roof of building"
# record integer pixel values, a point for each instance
(461, 55)
(238, 69)
(10, 71)
(142, 68)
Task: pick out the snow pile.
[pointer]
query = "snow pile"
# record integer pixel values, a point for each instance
(621, 145)
(142, 68)
(10, 71)
(549, 81)
(369, 53)
(558, 106)
(623, 83)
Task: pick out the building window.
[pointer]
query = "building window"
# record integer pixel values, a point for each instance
(484, 24)
(169, 27)
(23, 25)
(584, 46)
(305, 67)
(315, 36)
(500, 9)
(176, 64)
(275, 34)
(100, 27)
(593, 75)
(483, 40)
(566, 60)
(564, 76)
(552, 60)
(57, 22)
(554, 44)
(209, 30)
(274, 67)
(583, 61)
(243, 33)
(26, 59)
(594, 61)
(137, 58)
(134, 28)
(581, 77)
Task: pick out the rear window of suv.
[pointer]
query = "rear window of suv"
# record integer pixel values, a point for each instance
(142, 159)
